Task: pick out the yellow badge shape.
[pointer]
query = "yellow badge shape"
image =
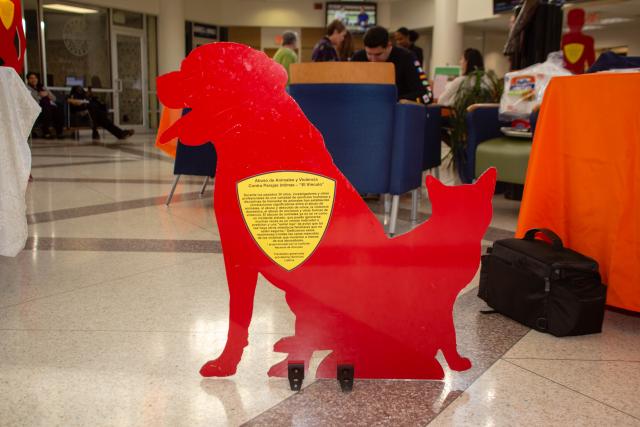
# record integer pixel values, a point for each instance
(573, 52)
(287, 213)
(7, 9)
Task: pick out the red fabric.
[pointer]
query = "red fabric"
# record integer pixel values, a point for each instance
(9, 29)
(583, 179)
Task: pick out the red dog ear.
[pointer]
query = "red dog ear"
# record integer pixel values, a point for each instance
(171, 90)
(487, 181)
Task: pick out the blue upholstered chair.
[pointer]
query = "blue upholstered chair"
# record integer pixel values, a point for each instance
(487, 146)
(197, 160)
(377, 143)
(432, 156)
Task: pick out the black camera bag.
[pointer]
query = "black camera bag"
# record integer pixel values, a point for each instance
(545, 286)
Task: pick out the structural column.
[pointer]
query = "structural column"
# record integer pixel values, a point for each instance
(447, 34)
(171, 42)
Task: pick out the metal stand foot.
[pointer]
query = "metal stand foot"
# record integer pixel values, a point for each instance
(395, 205)
(173, 188)
(296, 375)
(345, 377)
(204, 185)
(414, 206)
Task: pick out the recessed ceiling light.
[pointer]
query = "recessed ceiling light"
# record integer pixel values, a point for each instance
(68, 8)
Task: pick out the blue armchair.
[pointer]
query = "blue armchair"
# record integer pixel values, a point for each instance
(377, 143)
(487, 146)
(200, 160)
(432, 157)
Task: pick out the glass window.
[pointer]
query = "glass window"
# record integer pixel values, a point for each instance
(31, 21)
(152, 70)
(127, 19)
(76, 45)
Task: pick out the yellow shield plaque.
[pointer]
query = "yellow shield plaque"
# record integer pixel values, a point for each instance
(287, 213)
(573, 52)
(6, 12)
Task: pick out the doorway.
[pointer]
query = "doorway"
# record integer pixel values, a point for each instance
(129, 68)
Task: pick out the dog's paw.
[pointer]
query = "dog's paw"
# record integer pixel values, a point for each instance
(459, 364)
(215, 368)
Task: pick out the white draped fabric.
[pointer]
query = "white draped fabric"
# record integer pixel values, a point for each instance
(18, 112)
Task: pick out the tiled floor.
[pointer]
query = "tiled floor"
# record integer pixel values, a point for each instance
(107, 315)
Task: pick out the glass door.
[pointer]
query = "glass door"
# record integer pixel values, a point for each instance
(130, 74)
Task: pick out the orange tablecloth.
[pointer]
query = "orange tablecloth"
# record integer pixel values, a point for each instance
(583, 179)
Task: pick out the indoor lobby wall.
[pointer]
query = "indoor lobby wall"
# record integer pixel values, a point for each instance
(474, 10)
(491, 44)
(618, 36)
(255, 13)
(412, 14)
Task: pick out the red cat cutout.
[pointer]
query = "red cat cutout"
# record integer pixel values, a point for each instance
(382, 304)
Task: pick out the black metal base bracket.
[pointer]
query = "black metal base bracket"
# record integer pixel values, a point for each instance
(296, 375)
(345, 377)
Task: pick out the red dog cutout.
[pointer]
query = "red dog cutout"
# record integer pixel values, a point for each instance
(382, 304)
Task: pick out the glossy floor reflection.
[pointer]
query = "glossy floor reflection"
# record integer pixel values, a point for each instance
(108, 314)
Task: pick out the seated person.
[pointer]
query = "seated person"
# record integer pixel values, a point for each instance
(411, 81)
(81, 102)
(326, 49)
(52, 114)
(470, 62)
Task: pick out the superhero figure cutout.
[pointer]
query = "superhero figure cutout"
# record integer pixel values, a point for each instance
(12, 40)
(577, 47)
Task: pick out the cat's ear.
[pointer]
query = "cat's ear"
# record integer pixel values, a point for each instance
(487, 181)
(434, 185)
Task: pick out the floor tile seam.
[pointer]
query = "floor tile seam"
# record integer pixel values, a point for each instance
(131, 251)
(182, 218)
(100, 283)
(143, 153)
(478, 378)
(571, 389)
(443, 407)
(315, 382)
(84, 156)
(97, 162)
(551, 359)
(222, 334)
(159, 200)
(214, 249)
(115, 181)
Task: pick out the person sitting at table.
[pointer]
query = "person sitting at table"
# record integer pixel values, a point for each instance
(470, 62)
(411, 81)
(81, 102)
(52, 114)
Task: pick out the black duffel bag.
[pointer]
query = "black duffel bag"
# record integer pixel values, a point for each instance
(545, 286)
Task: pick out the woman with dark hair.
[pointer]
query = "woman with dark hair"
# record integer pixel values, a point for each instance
(52, 114)
(406, 39)
(471, 62)
(345, 52)
(326, 49)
